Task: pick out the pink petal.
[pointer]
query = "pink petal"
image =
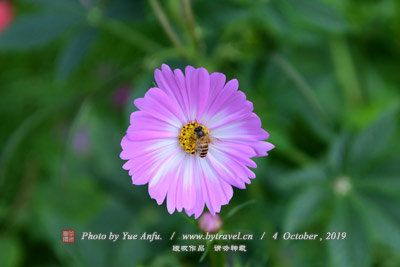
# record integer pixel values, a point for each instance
(132, 149)
(144, 121)
(182, 192)
(189, 186)
(181, 83)
(159, 105)
(172, 190)
(239, 151)
(199, 205)
(224, 95)
(235, 109)
(229, 169)
(217, 192)
(260, 147)
(163, 176)
(166, 81)
(246, 129)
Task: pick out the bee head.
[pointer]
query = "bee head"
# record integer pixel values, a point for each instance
(199, 131)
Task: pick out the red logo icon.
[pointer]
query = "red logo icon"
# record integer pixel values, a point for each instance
(68, 236)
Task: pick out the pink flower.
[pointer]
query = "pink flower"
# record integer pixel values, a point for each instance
(161, 142)
(6, 14)
(209, 223)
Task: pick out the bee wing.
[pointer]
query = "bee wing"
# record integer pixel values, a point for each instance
(215, 140)
(197, 147)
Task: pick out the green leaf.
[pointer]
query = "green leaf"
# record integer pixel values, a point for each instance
(281, 139)
(74, 52)
(382, 227)
(304, 208)
(37, 29)
(10, 252)
(69, 5)
(354, 250)
(390, 167)
(338, 152)
(87, 201)
(238, 208)
(165, 259)
(25, 128)
(344, 67)
(130, 252)
(272, 17)
(311, 175)
(318, 14)
(126, 10)
(321, 128)
(371, 142)
(386, 185)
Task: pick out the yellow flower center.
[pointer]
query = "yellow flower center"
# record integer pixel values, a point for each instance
(187, 136)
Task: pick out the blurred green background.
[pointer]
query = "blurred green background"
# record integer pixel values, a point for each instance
(323, 76)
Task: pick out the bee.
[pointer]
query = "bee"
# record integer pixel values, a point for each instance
(202, 141)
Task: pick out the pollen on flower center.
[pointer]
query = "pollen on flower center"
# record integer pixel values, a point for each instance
(187, 136)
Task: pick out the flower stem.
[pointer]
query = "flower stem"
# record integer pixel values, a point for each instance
(191, 23)
(167, 26)
(217, 258)
(23, 196)
(302, 85)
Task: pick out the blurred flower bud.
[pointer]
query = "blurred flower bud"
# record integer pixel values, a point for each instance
(6, 14)
(120, 96)
(209, 223)
(81, 142)
(342, 185)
